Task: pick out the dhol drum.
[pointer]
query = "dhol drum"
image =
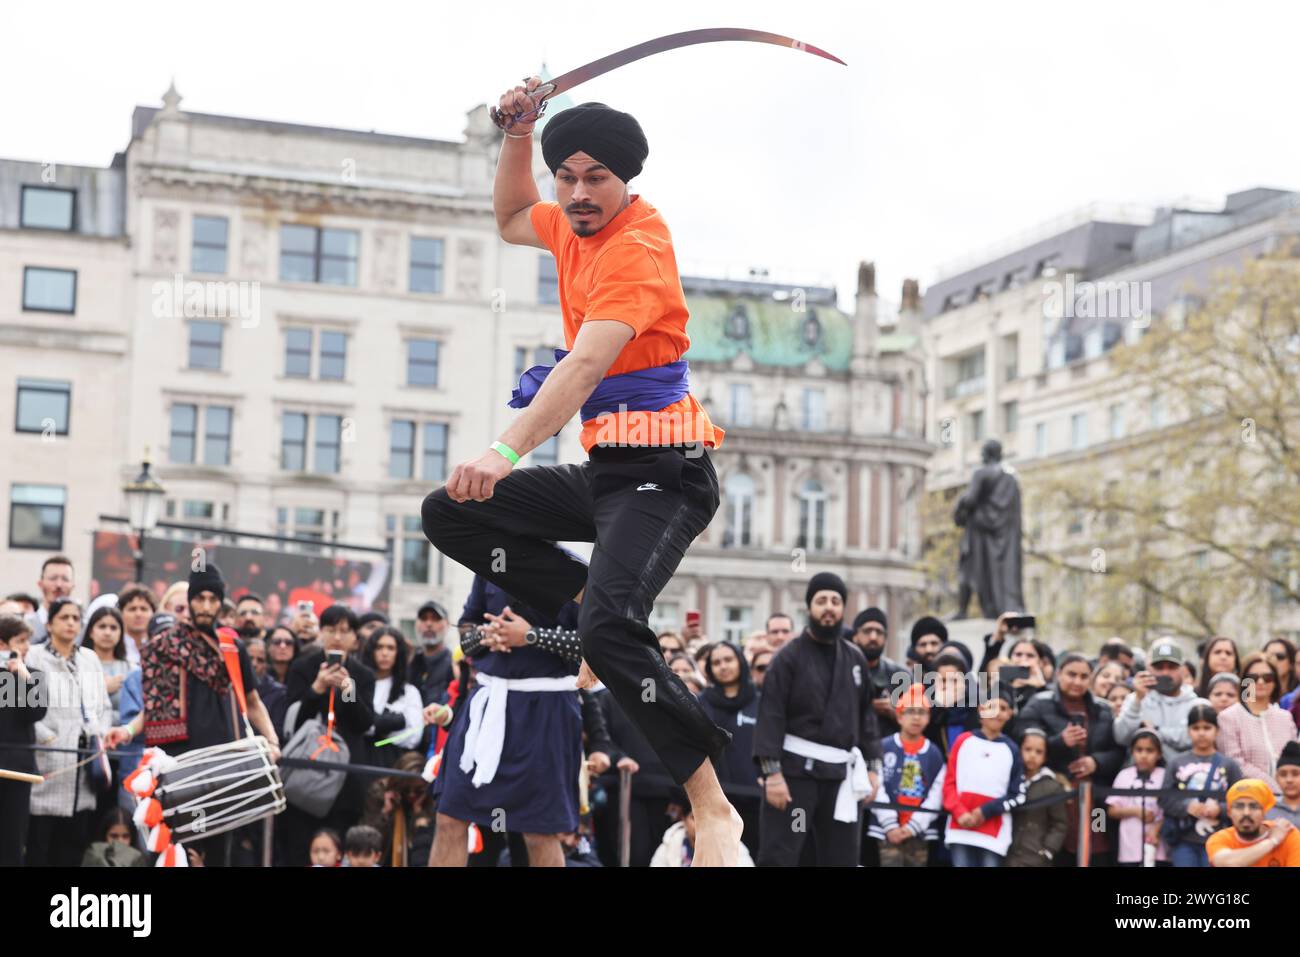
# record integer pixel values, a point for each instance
(209, 790)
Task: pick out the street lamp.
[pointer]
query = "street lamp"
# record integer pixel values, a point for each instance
(143, 496)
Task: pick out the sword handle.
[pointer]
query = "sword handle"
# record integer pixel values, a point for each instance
(507, 120)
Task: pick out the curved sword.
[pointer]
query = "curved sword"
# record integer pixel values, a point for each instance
(650, 47)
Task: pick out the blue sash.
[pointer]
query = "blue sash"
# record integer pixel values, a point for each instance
(646, 390)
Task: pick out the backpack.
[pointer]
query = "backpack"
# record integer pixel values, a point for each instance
(314, 791)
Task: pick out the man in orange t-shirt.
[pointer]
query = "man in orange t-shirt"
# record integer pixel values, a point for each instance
(1252, 841)
(648, 488)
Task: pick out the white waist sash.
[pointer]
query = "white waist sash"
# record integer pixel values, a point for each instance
(857, 784)
(486, 734)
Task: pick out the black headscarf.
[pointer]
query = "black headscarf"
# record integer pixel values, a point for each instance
(714, 693)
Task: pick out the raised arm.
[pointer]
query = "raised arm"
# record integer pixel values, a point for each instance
(514, 193)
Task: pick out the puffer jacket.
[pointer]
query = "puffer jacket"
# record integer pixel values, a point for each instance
(1038, 829)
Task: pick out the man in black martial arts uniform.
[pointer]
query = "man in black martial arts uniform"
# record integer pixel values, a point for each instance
(816, 742)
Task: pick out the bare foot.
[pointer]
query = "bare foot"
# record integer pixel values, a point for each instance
(717, 838)
(586, 677)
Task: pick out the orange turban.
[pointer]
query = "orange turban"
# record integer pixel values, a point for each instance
(1252, 788)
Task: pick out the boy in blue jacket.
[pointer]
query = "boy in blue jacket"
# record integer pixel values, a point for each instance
(913, 770)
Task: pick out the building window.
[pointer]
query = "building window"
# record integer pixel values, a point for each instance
(740, 511)
(49, 290)
(812, 516)
(333, 355)
(48, 207)
(184, 428)
(1010, 418)
(293, 442)
(216, 435)
(415, 551)
(422, 362)
(43, 406)
(548, 281)
(329, 435)
(1116, 415)
(1040, 439)
(208, 253)
(737, 623)
(814, 410)
(311, 254)
(434, 453)
(401, 449)
(426, 264)
(205, 344)
(540, 356)
(548, 453)
(307, 523)
(36, 516)
(297, 353)
(742, 404)
(975, 425)
(1157, 412)
(665, 616)
(1079, 430)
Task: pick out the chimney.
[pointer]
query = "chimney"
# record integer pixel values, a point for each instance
(865, 327)
(909, 309)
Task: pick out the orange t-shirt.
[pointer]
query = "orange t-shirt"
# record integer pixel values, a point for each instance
(1286, 854)
(627, 272)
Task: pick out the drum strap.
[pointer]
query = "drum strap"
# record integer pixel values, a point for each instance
(230, 655)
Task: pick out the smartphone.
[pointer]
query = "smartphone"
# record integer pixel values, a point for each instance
(1020, 623)
(1076, 720)
(334, 658)
(1166, 684)
(1009, 673)
(306, 606)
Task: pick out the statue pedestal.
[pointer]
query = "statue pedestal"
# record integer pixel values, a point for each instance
(970, 632)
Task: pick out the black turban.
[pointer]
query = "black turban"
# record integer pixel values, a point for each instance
(207, 578)
(825, 581)
(604, 134)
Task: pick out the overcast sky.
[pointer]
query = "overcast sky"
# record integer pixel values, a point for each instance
(954, 125)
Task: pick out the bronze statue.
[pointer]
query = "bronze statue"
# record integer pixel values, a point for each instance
(989, 514)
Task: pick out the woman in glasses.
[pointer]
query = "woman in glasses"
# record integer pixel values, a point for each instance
(281, 649)
(1281, 653)
(1254, 731)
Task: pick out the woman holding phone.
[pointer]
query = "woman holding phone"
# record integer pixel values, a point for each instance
(1080, 736)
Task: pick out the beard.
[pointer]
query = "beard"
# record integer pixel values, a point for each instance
(1248, 831)
(249, 630)
(872, 652)
(825, 632)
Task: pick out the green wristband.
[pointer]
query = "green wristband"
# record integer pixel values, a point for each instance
(507, 451)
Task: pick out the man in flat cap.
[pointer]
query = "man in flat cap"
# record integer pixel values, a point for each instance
(648, 488)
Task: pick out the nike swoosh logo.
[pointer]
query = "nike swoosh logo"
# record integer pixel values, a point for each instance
(649, 487)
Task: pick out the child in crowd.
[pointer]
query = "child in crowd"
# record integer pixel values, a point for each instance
(326, 848)
(678, 846)
(1117, 694)
(364, 846)
(913, 770)
(981, 786)
(1288, 779)
(1037, 832)
(1140, 817)
(114, 843)
(1191, 819)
